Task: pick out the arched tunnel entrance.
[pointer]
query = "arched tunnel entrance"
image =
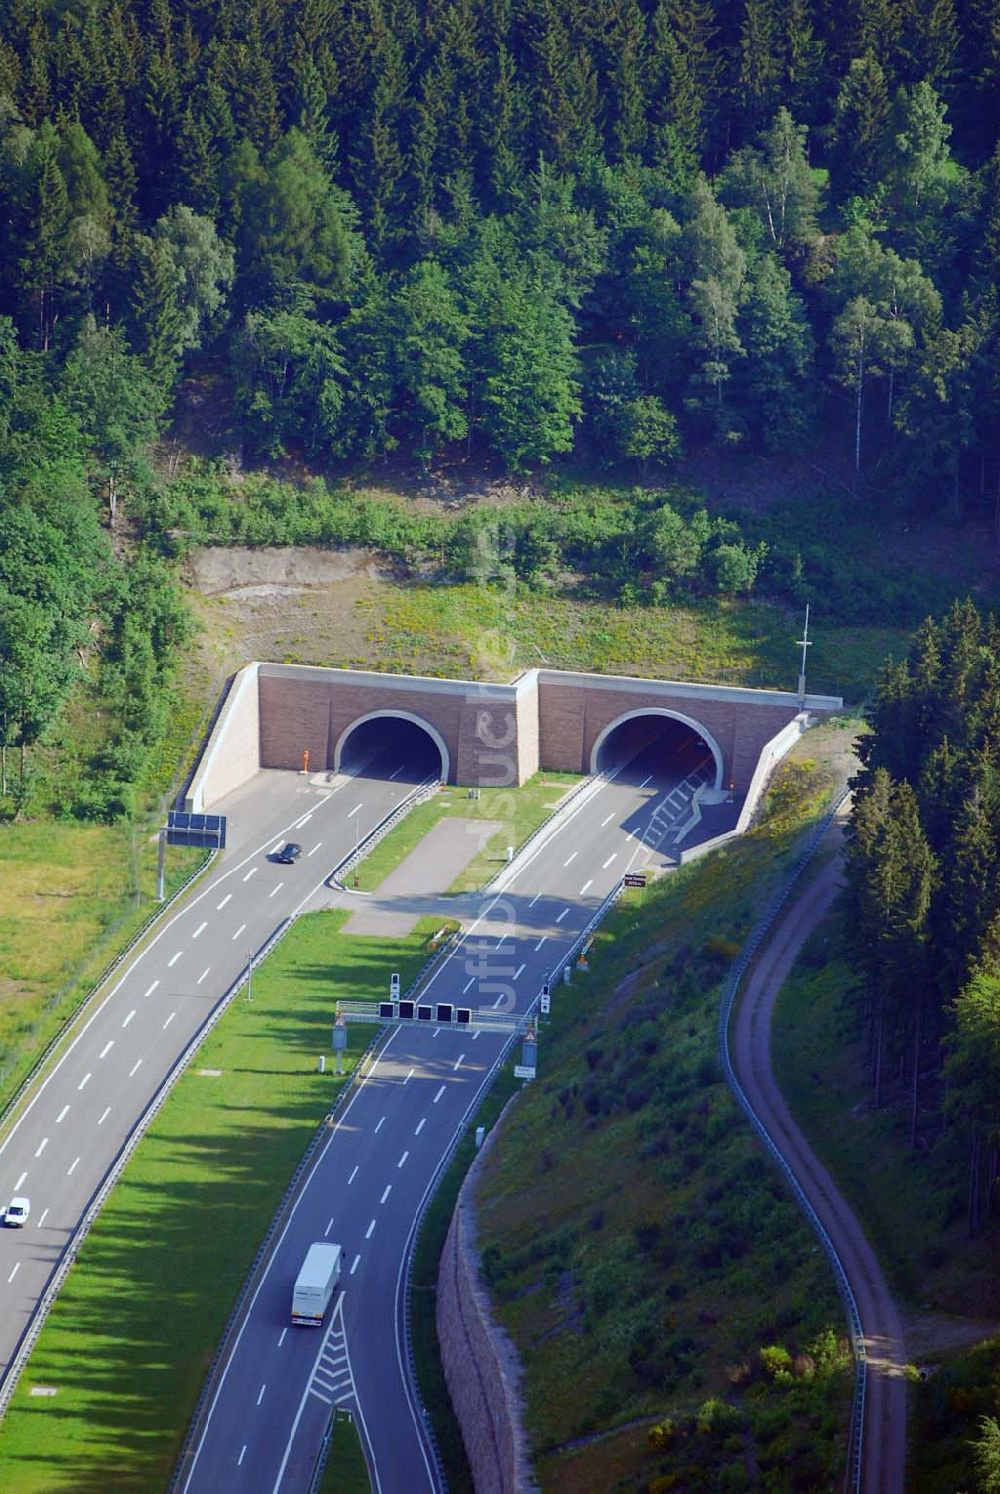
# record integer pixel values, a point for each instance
(659, 744)
(392, 744)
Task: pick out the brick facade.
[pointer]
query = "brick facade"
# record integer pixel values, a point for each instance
(492, 734)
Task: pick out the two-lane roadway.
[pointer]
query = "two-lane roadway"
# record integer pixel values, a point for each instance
(68, 1136)
(267, 1416)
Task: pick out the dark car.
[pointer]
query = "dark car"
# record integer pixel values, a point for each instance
(288, 853)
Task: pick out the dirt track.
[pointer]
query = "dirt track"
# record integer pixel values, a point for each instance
(884, 1443)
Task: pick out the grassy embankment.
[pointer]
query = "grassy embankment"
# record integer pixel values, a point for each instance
(492, 632)
(129, 1340)
(912, 1204)
(518, 811)
(71, 896)
(677, 1325)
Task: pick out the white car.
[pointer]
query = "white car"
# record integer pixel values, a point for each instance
(16, 1212)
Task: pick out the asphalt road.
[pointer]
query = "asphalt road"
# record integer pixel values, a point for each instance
(61, 1147)
(883, 1462)
(267, 1417)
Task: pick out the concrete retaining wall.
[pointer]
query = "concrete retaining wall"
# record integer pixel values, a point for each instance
(480, 1361)
(232, 753)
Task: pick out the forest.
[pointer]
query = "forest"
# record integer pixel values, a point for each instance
(621, 225)
(924, 892)
(604, 232)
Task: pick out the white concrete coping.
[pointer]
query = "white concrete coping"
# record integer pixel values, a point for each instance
(373, 679)
(738, 694)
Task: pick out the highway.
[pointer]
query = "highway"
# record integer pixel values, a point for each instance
(266, 1419)
(61, 1147)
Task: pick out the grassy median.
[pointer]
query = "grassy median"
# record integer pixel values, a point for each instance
(130, 1338)
(518, 811)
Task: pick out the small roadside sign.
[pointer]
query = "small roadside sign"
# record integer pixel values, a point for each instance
(524, 1071)
(394, 984)
(634, 879)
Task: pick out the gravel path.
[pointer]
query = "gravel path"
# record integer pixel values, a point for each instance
(884, 1444)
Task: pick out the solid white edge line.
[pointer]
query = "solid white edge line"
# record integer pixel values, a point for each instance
(182, 913)
(196, 1452)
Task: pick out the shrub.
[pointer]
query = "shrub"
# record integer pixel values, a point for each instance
(777, 1362)
(664, 1434)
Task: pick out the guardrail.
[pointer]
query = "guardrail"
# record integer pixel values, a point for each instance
(442, 1167)
(381, 830)
(262, 1257)
(78, 1012)
(592, 782)
(29, 1338)
(750, 948)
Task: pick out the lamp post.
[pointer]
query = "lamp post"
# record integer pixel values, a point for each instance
(805, 642)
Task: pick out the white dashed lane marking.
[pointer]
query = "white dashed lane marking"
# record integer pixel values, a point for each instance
(276, 889)
(420, 1126)
(612, 857)
(468, 986)
(607, 821)
(541, 941)
(243, 1453)
(370, 1230)
(562, 915)
(400, 1163)
(173, 959)
(17, 1267)
(104, 1116)
(260, 1395)
(353, 1175)
(129, 1017)
(380, 1125)
(169, 1020)
(199, 930)
(571, 857)
(314, 849)
(106, 1049)
(241, 930)
(135, 1068)
(227, 899)
(356, 1263)
(72, 1167)
(20, 1182)
(83, 1081)
(203, 975)
(439, 1094)
(251, 873)
(458, 1061)
(42, 1145)
(385, 1195)
(586, 884)
(62, 1114)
